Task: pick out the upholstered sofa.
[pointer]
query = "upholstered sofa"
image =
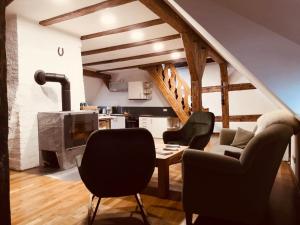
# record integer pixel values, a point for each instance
(266, 120)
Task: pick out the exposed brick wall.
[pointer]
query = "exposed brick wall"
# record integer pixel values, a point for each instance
(12, 89)
(31, 47)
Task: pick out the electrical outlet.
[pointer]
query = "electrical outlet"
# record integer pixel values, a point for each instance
(165, 110)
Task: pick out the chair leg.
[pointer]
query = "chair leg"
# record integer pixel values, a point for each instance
(141, 206)
(189, 218)
(91, 220)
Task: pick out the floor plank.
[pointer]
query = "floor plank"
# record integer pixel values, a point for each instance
(37, 199)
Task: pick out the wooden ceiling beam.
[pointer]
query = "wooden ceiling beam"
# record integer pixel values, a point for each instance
(90, 73)
(177, 63)
(142, 66)
(8, 2)
(184, 64)
(84, 11)
(123, 29)
(240, 118)
(215, 56)
(105, 77)
(130, 45)
(166, 13)
(134, 57)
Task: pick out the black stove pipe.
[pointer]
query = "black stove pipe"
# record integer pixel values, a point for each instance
(41, 78)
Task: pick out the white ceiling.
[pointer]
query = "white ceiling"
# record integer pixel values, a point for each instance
(127, 14)
(38, 10)
(124, 38)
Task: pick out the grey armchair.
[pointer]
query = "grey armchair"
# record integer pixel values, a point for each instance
(233, 189)
(195, 133)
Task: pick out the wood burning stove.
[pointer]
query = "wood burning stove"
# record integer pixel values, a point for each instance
(63, 135)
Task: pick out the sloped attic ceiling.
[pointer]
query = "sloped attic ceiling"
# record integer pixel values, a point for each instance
(269, 59)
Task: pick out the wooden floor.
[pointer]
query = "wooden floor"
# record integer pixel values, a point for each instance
(38, 199)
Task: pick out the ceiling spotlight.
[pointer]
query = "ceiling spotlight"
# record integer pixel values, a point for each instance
(137, 35)
(158, 46)
(108, 19)
(175, 55)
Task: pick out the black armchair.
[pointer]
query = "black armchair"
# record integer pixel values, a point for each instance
(195, 133)
(118, 162)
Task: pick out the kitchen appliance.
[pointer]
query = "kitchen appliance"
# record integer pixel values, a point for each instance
(131, 121)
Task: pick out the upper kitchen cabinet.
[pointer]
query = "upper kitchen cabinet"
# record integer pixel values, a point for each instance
(139, 90)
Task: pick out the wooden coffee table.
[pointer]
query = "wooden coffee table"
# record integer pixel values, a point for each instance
(163, 163)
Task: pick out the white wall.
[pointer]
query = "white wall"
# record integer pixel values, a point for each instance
(98, 94)
(37, 49)
(244, 102)
(241, 102)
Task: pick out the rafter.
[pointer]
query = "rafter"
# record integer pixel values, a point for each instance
(8, 2)
(166, 13)
(134, 57)
(105, 77)
(84, 11)
(142, 66)
(184, 64)
(123, 29)
(130, 45)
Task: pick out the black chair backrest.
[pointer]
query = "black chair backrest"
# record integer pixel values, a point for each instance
(198, 123)
(118, 162)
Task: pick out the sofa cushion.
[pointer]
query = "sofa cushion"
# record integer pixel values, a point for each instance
(241, 138)
(220, 149)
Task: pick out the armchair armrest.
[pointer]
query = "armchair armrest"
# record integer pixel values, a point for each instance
(205, 161)
(208, 179)
(169, 136)
(199, 141)
(226, 136)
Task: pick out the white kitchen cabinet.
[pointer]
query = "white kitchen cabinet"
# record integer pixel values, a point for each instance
(117, 122)
(157, 125)
(145, 122)
(139, 90)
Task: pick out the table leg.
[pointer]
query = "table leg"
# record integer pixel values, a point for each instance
(163, 179)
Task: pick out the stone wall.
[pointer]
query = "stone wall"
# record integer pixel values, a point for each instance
(12, 89)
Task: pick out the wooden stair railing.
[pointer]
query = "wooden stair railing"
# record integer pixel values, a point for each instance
(173, 87)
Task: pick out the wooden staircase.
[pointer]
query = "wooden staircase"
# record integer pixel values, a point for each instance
(174, 89)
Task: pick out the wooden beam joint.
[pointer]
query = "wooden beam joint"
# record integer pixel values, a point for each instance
(105, 77)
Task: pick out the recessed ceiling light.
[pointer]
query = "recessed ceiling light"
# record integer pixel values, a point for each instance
(158, 46)
(175, 55)
(108, 19)
(137, 35)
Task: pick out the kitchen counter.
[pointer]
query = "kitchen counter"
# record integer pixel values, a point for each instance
(104, 117)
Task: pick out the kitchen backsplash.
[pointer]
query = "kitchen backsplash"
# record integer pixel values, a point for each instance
(139, 111)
